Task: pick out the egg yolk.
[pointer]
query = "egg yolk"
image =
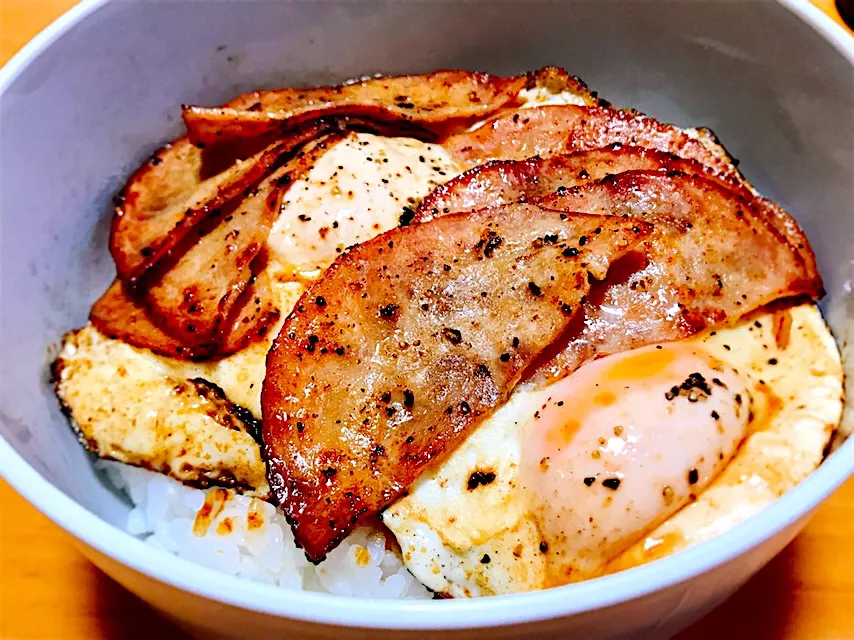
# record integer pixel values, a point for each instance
(622, 444)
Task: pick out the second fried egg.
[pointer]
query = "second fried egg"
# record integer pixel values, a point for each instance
(585, 476)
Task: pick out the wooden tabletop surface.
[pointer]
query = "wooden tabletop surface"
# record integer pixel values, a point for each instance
(48, 590)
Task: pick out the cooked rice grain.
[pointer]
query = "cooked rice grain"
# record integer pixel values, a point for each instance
(248, 538)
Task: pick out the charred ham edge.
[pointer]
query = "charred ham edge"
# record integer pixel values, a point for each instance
(148, 226)
(712, 257)
(435, 103)
(119, 316)
(556, 129)
(436, 97)
(390, 359)
(438, 101)
(252, 317)
(560, 129)
(199, 290)
(500, 181)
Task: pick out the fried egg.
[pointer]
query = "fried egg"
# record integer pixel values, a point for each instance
(593, 473)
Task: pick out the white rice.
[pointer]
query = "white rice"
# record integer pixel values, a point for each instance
(248, 538)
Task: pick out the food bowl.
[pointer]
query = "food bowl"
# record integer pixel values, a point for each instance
(98, 91)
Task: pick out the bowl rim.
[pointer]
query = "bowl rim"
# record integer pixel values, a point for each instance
(374, 613)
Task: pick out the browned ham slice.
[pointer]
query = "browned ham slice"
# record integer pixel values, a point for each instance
(407, 342)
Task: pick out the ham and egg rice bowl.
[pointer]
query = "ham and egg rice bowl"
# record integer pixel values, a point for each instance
(447, 335)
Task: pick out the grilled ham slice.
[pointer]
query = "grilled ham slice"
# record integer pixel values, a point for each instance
(406, 342)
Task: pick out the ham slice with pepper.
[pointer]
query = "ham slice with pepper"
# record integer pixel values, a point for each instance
(407, 342)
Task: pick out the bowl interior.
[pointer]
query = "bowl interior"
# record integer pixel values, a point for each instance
(105, 94)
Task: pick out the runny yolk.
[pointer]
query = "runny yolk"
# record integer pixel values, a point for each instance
(644, 364)
(605, 398)
(563, 432)
(629, 439)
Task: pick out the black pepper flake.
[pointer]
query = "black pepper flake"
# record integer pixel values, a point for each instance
(693, 476)
(300, 426)
(284, 181)
(504, 357)
(534, 289)
(738, 398)
(303, 217)
(410, 439)
(312, 342)
(582, 241)
(694, 387)
(465, 407)
(329, 472)
(571, 252)
(566, 308)
(550, 238)
(389, 311)
(339, 351)
(406, 217)
(611, 483)
(491, 245)
(320, 301)
(480, 478)
(408, 399)
(386, 396)
(515, 342)
(452, 335)
(772, 361)
(716, 415)
(446, 267)
(589, 480)
(485, 559)
(544, 547)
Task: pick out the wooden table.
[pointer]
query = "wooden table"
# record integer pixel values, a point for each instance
(48, 590)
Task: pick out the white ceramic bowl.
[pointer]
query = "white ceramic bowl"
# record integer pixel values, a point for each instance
(93, 95)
